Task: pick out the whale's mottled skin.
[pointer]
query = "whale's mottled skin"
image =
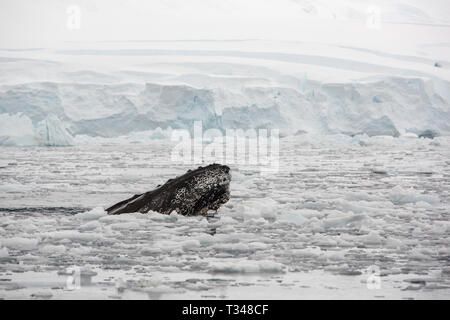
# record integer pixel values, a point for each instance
(194, 193)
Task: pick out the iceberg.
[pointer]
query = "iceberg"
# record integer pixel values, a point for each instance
(18, 130)
(121, 110)
(51, 132)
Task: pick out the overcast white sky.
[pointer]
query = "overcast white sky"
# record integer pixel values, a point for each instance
(44, 23)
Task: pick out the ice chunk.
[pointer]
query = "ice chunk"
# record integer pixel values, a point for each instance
(73, 235)
(51, 249)
(191, 244)
(410, 135)
(93, 214)
(20, 243)
(343, 220)
(51, 132)
(399, 196)
(4, 253)
(125, 225)
(231, 247)
(294, 217)
(247, 266)
(372, 238)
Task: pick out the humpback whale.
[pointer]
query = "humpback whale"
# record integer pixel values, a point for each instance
(194, 193)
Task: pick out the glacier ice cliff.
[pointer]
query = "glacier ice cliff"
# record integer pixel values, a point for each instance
(52, 113)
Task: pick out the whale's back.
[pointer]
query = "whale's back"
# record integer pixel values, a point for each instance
(195, 192)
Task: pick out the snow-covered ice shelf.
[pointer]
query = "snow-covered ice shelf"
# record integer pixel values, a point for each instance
(71, 94)
(338, 208)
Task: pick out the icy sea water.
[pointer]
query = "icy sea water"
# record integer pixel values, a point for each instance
(343, 218)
